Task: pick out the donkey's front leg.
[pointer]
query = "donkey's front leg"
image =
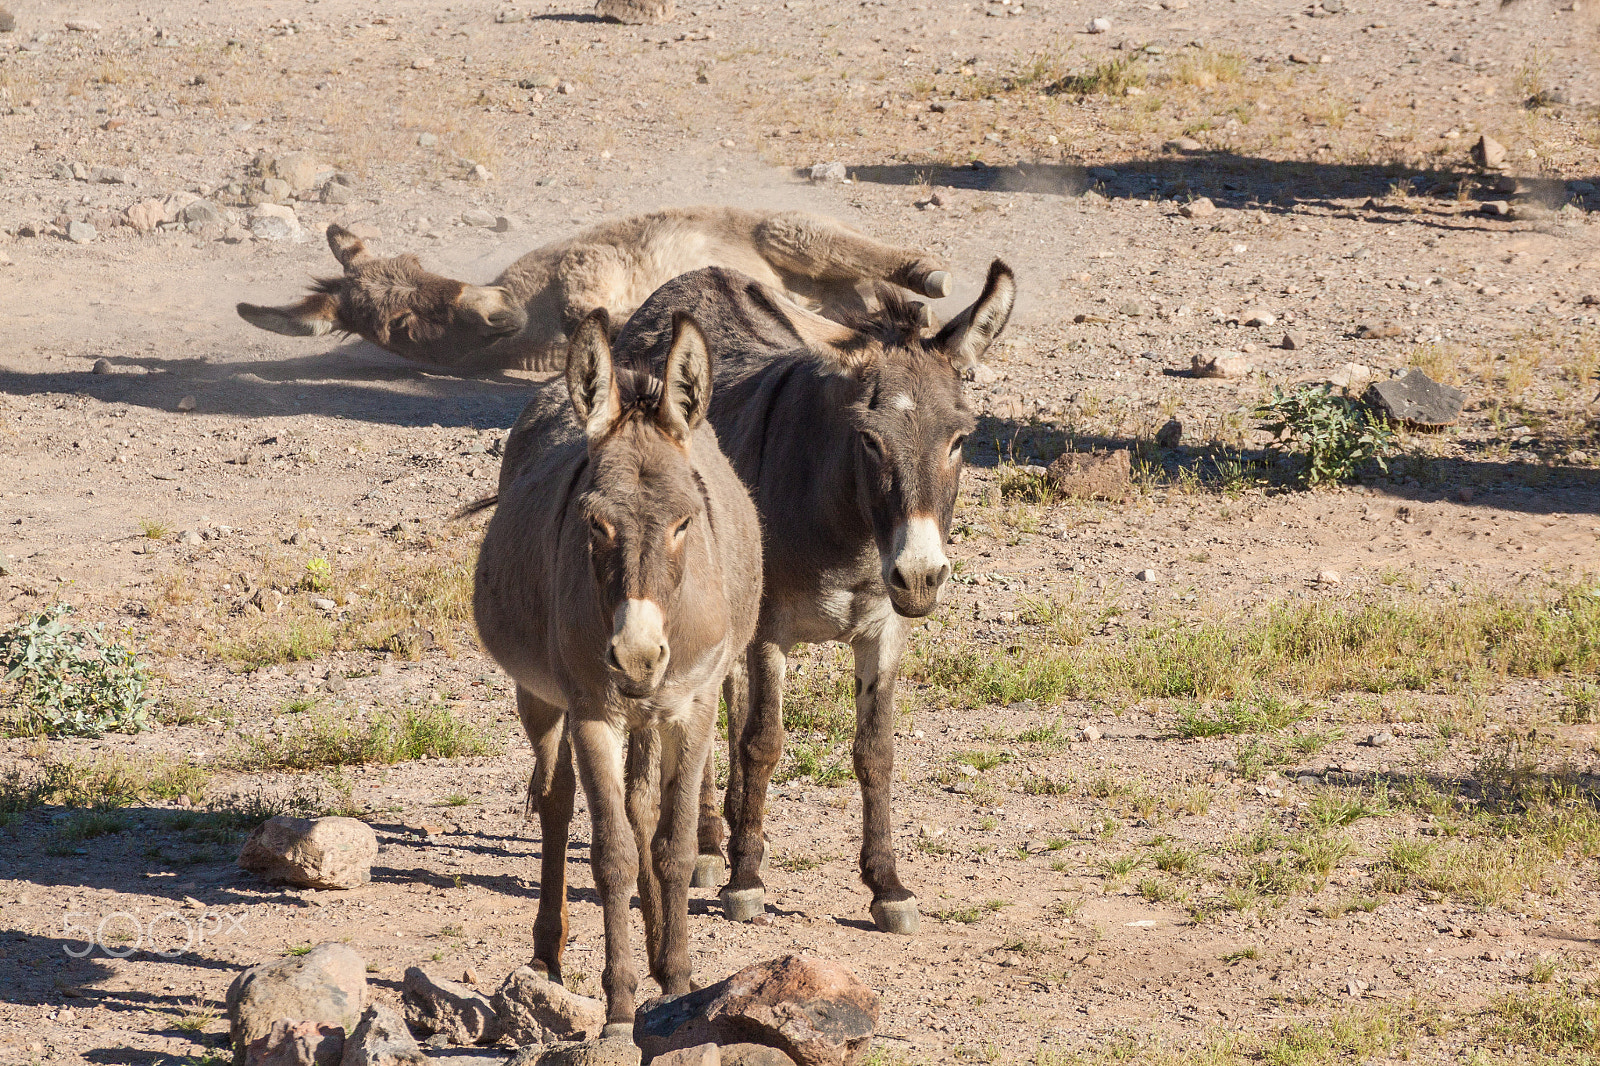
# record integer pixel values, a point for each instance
(550, 792)
(894, 908)
(685, 746)
(759, 745)
(613, 859)
(709, 866)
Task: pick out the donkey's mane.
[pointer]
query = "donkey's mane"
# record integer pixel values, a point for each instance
(897, 322)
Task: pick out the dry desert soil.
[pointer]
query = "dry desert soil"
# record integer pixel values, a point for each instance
(1218, 770)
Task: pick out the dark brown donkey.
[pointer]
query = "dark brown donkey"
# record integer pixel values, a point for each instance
(850, 440)
(617, 582)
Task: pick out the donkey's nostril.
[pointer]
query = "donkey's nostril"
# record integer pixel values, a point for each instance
(942, 576)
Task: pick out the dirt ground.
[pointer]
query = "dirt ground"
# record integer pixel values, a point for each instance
(1205, 836)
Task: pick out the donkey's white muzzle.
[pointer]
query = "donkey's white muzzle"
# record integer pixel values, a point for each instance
(638, 654)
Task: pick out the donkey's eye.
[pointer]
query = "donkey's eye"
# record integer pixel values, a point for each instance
(681, 528)
(873, 444)
(600, 528)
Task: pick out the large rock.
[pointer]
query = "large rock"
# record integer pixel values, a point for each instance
(381, 1039)
(458, 1013)
(301, 170)
(1416, 399)
(816, 1012)
(1092, 475)
(1489, 153)
(296, 1043)
(312, 853)
(274, 222)
(753, 1055)
(533, 1009)
(636, 12)
(146, 215)
(327, 985)
(1222, 363)
(615, 1051)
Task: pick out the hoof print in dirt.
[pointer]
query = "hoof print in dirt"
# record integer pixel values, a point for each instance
(1416, 400)
(325, 986)
(533, 1009)
(311, 853)
(613, 1051)
(817, 1013)
(382, 1039)
(292, 1043)
(636, 12)
(1092, 476)
(449, 1009)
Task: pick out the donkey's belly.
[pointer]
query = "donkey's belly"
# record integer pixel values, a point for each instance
(537, 678)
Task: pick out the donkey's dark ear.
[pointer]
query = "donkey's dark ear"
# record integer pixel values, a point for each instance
(346, 247)
(971, 332)
(590, 379)
(686, 394)
(311, 317)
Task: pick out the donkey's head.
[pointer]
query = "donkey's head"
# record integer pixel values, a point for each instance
(645, 505)
(396, 305)
(911, 420)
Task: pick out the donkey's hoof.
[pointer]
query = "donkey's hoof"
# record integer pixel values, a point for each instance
(925, 317)
(937, 284)
(709, 871)
(743, 904)
(617, 1031)
(899, 917)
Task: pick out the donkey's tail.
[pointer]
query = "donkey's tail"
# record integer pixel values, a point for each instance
(475, 506)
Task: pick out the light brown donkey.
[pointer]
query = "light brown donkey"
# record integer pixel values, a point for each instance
(524, 318)
(618, 581)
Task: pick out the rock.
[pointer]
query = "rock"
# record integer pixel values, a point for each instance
(1098, 25)
(1259, 319)
(381, 1039)
(539, 81)
(480, 172)
(1090, 475)
(146, 215)
(186, 404)
(190, 536)
(699, 1055)
(422, 63)
(816, 1012)
(427, 140)
(1489, 153)
(1300, 58)
(1200, 207)
(296, 1043)
(532, 1008)
(476, 216)
(828, 173)
(312, 853)
(81, 232)
(1333, 7)
(1497, 208)
(80, 172)
(1183, 144)
(101, 366)
(1351, 376)
(200, 211)
(273, 222)
(301, 170)
(752, 1055)
(336, 193)
(1145, 575)
(1170, 434)
(636, 12)
(1327, 577)
(1378, 331)
(8, 21)
(272, 191)
(1222, 363)
(454, 1011)
(1416, 399)
(1089, 734)
(108, 176)
(504, 224)
(326, 985)
(615, 1051)
(81, 25)
(1293, 341)
(322, 603)
(1379, 740)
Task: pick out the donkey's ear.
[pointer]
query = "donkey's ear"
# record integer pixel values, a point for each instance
(971, 332)
(686, 394)
(590, 378)
(311, 317)
(346, 247)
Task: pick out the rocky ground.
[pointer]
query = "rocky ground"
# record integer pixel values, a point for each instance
(1216, 769)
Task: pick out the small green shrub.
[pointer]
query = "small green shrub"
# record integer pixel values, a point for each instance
(1338, 435)
(71, 681)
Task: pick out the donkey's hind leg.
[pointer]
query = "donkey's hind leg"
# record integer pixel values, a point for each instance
(830, 253)
(551, 790)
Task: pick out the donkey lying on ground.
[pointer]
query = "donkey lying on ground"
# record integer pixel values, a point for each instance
(618, 581)
(850, 439)
(524, 318)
